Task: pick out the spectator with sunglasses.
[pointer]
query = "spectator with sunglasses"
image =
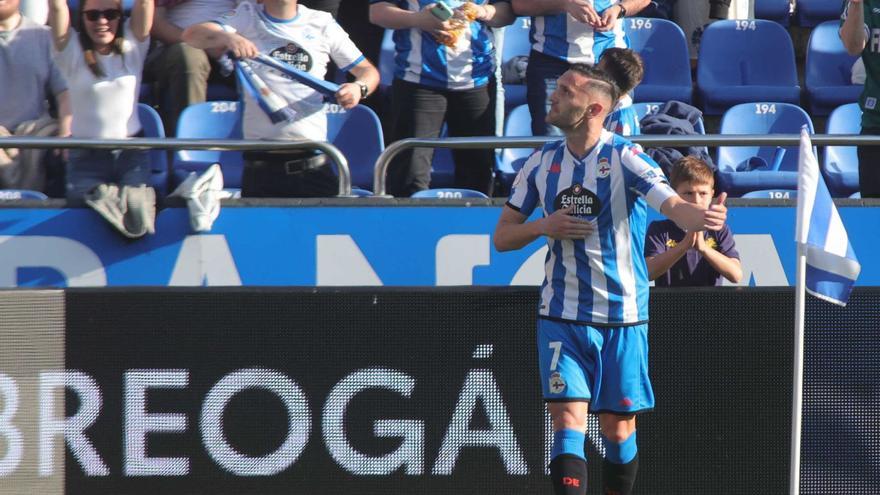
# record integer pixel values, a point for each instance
(102, 59)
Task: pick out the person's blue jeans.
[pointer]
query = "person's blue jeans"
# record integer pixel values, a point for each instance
(541, 75)
(87, 168)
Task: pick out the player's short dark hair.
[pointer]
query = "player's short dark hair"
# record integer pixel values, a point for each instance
(599, 80)
(691, 169)
(624, 66)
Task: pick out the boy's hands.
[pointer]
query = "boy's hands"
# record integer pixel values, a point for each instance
(562, 225)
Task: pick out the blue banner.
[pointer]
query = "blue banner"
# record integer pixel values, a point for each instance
(329, 245)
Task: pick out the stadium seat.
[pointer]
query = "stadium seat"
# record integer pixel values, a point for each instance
(773, 10)
(645, 108)
(358, 135)
(772, 194)
(518, 123)
(664, 50)
(742, 169)
(14, 194)
(828, 71)
(448, 193)
(841, 163)
(809, 13)
(516, 43)
(152, 127)
(209, 120)
(745, 61)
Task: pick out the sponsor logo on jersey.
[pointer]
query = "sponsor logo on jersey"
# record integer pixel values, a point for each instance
(294, 55)
(585, 202)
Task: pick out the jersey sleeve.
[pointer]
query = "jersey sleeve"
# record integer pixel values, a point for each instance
(524, 195)
(343, 51)
(645, 176)
(655, 240)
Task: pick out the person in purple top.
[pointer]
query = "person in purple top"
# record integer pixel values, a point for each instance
(676, 258)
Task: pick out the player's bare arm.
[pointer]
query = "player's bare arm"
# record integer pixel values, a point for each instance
(210, 35)
(690, 216)
(852, 32)
(581, 10)
(513, 232)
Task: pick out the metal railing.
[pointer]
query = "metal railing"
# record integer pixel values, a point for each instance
(381, 167)
(190, 144)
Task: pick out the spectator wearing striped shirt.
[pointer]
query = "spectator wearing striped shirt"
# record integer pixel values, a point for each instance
(440, 77)
(594, 188)
(566, 32)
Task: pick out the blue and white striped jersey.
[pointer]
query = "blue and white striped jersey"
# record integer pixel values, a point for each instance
(623, 120)
(562, 37)
(602, 279)
(420, 59)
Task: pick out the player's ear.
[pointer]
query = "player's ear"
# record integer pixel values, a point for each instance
(594, 109)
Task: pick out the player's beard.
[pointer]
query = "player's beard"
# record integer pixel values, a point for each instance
(566, 120)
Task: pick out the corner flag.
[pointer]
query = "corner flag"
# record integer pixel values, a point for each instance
(832, 267)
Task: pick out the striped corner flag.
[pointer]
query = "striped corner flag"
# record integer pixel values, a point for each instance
(832, 267)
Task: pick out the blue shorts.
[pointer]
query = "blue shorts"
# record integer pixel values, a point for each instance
(605, 366)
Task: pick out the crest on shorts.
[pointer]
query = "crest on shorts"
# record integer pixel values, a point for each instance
(557, 384)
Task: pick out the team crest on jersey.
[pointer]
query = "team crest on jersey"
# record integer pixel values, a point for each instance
(557, 384)
(294, 55)
(585, 202)
(604, 168)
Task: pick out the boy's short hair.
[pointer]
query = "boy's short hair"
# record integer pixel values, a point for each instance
(691, 169)
(624, 66)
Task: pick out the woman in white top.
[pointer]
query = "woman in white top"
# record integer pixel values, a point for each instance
(102, 59)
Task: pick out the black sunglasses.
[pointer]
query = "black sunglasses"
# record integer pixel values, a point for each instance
(109, 14)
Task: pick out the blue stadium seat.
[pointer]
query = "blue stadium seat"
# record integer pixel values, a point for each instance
(13, 194)
(742, 169)
(773, 10)
(812, 12)
(744, 61)
(772, 194)
(518, 123)
(358, 135)
(448, 193)
(841, 163)
(152, 126)
(516, 43)
(664, 50)
(209, 120)
(646, 107)
(828, 71)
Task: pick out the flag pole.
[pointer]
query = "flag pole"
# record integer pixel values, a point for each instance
(798, 382)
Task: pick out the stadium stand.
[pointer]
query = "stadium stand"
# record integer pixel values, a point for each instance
(516, 44)
(809, 13)
(743, 169)
(358, 135)
(664, 51)
(152, 126)
(209, 120)
(745, 61)
(646, 108)
(448, 193)
(518, 123)
(16, 194)
(828, 70)
(772, 194)
(840, 164)
(773, 10)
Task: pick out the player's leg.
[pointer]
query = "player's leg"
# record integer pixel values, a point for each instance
(621, 462)
(565, 385)
(568, 462)
(624, 391)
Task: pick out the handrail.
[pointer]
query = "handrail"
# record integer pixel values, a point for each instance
(190, 144)
(381, 167)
